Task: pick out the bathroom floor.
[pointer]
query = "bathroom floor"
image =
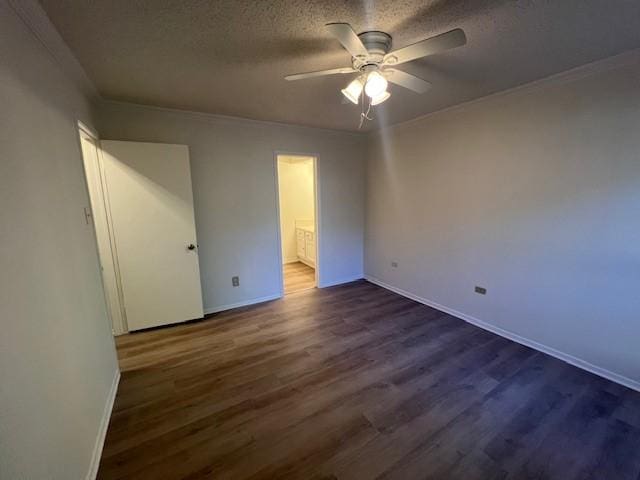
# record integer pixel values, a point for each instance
(298, 276)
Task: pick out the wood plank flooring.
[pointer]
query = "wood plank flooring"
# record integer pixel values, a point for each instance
(356, 382)
(298, 276)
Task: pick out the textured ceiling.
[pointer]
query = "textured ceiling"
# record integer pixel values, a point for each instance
(230, 56)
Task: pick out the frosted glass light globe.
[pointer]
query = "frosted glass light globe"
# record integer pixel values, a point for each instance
(380, 98)
(376, 85)
(353, 91)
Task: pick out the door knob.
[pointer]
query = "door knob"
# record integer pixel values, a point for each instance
(191, 246)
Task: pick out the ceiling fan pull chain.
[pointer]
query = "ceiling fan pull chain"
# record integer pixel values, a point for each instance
(365, 116)
(362, 114)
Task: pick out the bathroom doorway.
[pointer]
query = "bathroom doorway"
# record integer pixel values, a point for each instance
(298, 221)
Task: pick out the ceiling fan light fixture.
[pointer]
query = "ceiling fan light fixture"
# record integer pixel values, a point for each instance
(353, 91)
(380, 98)
(376, 85)
(375, 64)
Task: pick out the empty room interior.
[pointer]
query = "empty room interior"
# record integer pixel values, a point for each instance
(291, 239)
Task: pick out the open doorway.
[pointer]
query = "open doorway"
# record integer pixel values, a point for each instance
(298, 221)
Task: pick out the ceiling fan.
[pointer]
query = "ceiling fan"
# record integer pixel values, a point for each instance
(375, 64)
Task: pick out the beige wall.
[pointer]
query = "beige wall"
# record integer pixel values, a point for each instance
(234, 187)
(295, 182)
(534, 195)
(57, 357)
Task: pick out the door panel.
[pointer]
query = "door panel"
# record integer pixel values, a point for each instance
(149, 190)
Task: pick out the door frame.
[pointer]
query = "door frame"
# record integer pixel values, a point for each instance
(317, 213)
(119, 326)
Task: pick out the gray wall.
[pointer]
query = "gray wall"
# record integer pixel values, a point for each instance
(234, 187)
(57, 356)
(534, 195)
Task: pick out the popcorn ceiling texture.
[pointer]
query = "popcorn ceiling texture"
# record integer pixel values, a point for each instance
(230, 56)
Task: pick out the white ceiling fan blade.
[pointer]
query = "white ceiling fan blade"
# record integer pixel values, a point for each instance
(348, 38)
(320, 73)
(430, 46)
(407, 80)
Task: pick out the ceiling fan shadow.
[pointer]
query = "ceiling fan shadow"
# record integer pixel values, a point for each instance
(438, 13)
(445, 67)
(283, 49)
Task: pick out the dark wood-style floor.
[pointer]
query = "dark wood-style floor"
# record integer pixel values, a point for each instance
(355, 382)
(298, 276)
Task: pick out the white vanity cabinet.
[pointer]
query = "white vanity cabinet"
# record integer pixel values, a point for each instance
(300, 250)
(306, 245)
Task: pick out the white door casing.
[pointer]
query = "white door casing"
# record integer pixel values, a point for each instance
(151, 204)
(99, 217)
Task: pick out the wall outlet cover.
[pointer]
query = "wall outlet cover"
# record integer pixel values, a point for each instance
(235, 281)
(481, 290)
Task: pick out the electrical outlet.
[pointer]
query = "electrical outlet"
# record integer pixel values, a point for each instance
(235, 281)
(481, 290)
(394, 264)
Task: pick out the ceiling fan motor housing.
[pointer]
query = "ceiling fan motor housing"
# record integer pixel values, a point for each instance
(378, 45)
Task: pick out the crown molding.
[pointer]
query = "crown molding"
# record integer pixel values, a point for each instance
(35, 18)
(37, 21)
(229, 118)
(630, 57)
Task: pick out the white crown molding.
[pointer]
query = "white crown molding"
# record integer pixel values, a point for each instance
(603, 65)
(621, 60)
(35, 18)
(229, 118)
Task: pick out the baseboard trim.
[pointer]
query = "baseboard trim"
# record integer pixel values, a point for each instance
(341, 281)
(104, 426)
(565, 357)
(307, 263)
(244, 303)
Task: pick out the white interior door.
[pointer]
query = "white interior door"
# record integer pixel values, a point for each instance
(151, 203)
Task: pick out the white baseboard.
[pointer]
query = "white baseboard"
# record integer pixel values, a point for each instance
(307, 262)
(341, 281)
(565, 357)
(102, 432)
(244, 303)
